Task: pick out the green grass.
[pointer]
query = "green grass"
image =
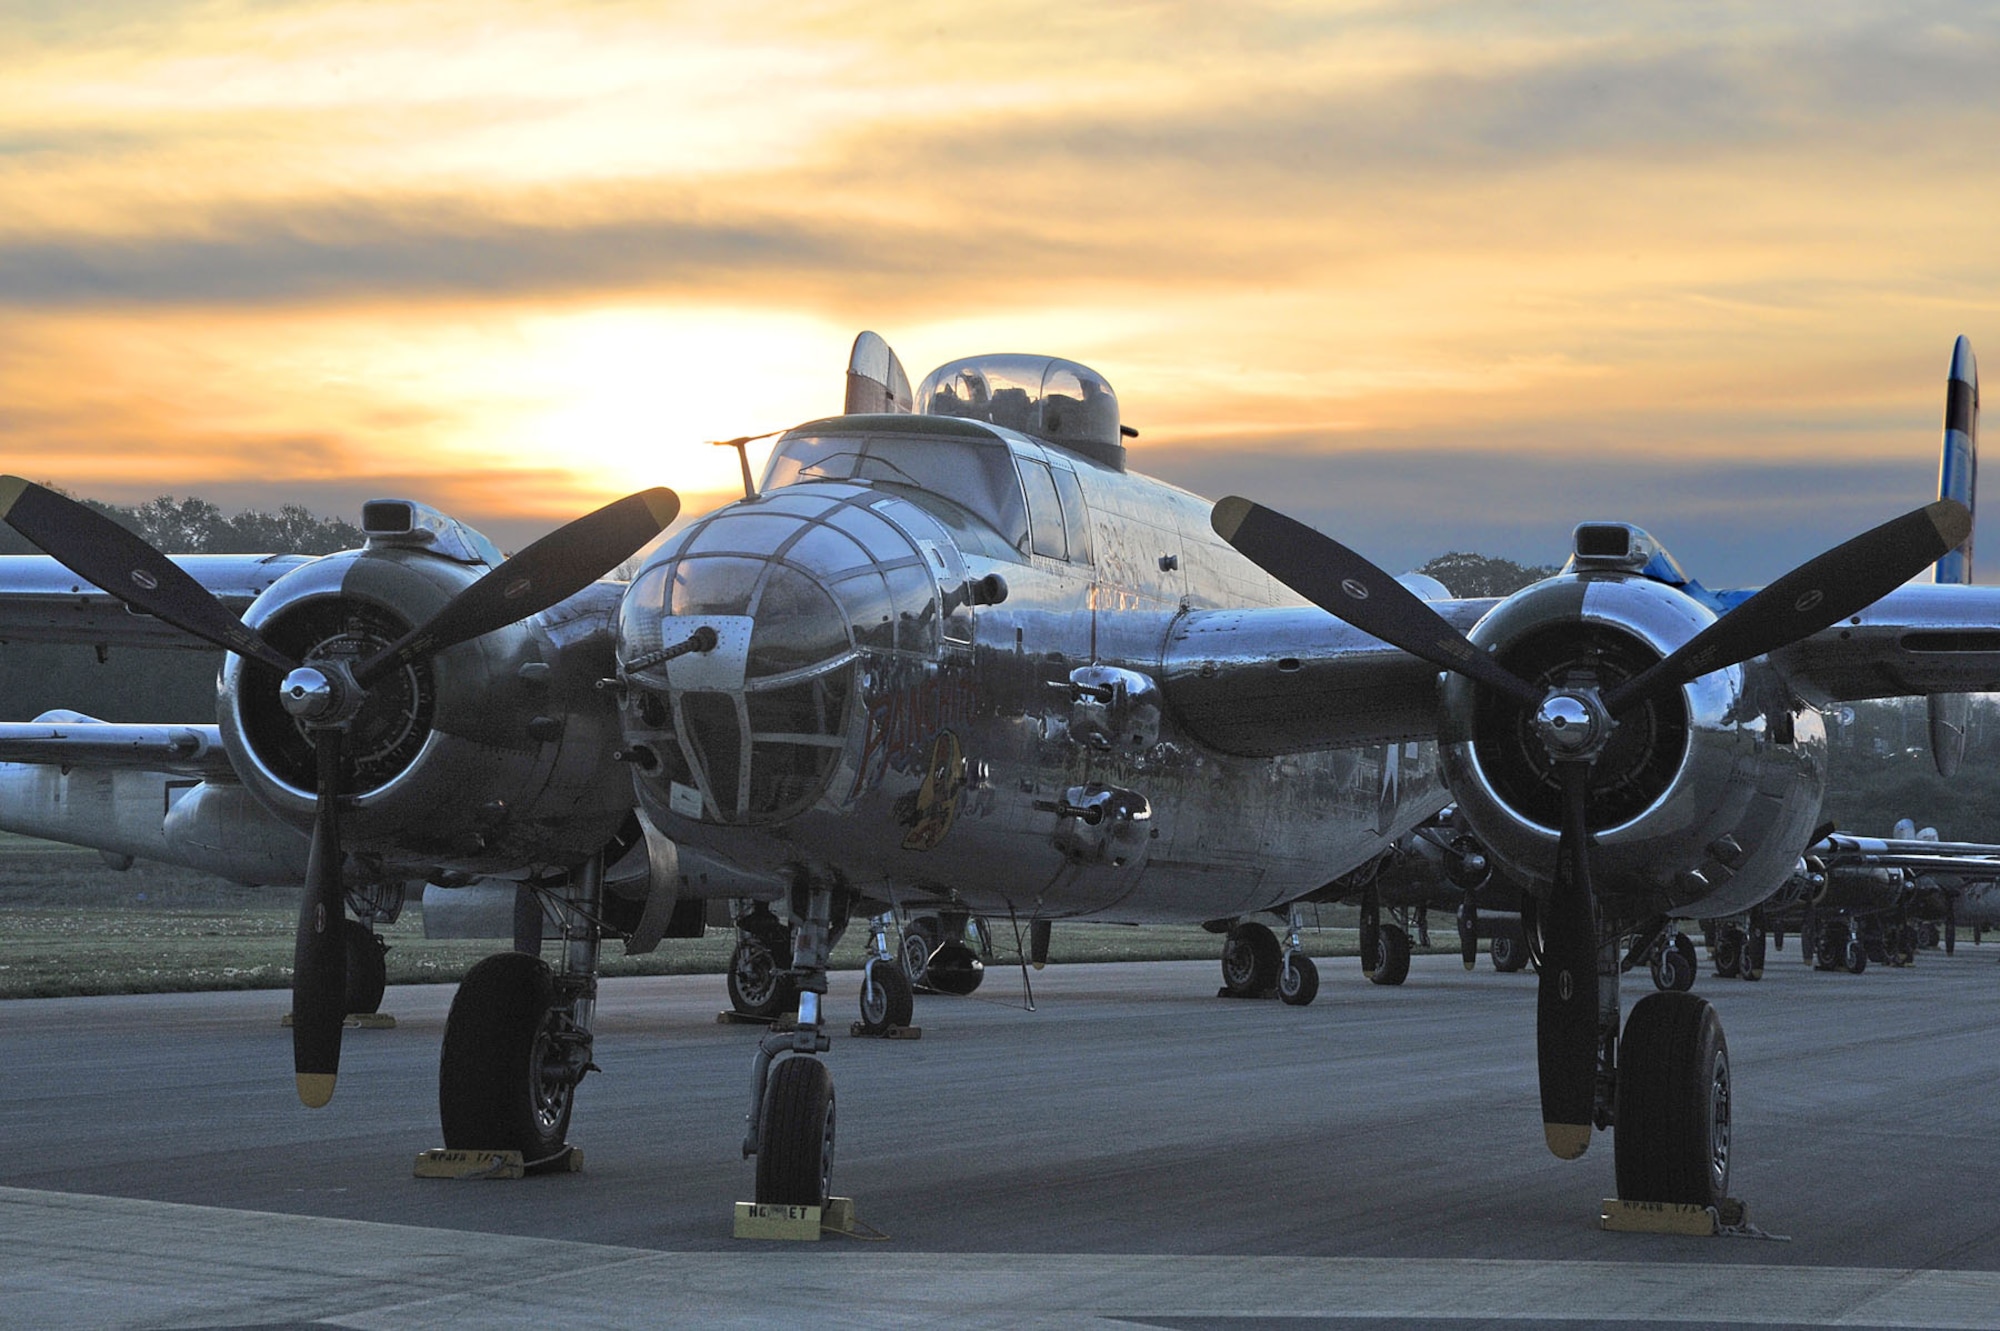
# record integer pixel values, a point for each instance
(70, 925)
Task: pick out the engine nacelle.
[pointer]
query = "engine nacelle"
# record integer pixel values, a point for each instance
(487, 756)
(1701, 801)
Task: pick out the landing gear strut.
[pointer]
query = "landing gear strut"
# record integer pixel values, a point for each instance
(791, 1092)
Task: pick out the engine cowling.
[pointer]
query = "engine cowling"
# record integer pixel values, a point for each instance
(485, 757)
(1701, 800)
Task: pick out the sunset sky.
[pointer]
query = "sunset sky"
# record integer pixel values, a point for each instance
(1430, 275)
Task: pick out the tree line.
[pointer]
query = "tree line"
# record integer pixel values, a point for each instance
(193, 526)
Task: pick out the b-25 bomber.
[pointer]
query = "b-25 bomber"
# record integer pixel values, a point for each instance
(954, 658)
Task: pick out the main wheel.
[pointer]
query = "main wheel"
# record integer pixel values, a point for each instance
(795, 1135)
(1392, 956)
(1672, 971)
(1755, 953)
(367, 968)
(1251, 958)
(1728, 952)
(1509, 949)
(759, 985)
(1298, 983)
(885, 997)
(920, 940)
(504, 1082)
(1828, 948)
(956, 969)
(1673, 1103)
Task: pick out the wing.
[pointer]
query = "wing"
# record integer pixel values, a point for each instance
(1966, 858)
(41, 601)
(70, 739)
(1921, 639)
(1275, 680)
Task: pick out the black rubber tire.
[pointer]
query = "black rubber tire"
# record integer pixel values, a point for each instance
(1685, 946)
(1392, 956)
(1755, 953)
(920, 940)
(1298, 983)
(1508, 948)
(367, 968)
(1829, 947)
(1672, 1138)
(1728, 952)
(491, 1096)
(1854, 956)
(1251, 958)
(956, 970)
(1673, 969)
(885, 997)
(758, 984)
(795, 1135)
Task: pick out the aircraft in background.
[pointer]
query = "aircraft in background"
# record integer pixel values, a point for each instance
(1883, 899)
(954, 659)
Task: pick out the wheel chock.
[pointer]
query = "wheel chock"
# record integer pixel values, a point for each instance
(355, 1021)
(1225, 992)
(861, 1031)
(801, 1224)
(731, 1017)
(442, 1163)
(1625, 1217)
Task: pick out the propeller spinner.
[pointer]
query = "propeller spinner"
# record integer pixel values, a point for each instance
(326, 694)
(1573, 722)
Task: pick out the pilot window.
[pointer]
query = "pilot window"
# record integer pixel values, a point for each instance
(975, 475)
(1076, 518)
(1044, 510)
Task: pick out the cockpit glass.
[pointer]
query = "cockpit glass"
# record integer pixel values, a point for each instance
(977, 475)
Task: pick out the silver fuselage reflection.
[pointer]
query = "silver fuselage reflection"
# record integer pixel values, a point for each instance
(871, 712)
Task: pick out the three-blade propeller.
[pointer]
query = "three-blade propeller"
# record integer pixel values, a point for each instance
(1574, 722)
(326, 695)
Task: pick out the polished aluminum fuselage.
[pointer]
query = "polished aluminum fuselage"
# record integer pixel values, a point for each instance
(965, 776)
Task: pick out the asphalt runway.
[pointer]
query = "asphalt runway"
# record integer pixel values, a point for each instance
(1134, 1153)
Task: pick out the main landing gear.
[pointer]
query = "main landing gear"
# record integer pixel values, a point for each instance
(1256, 965)
(1663, 1085)
(517, 1042)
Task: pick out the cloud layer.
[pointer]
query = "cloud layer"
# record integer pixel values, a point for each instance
(1543, 258)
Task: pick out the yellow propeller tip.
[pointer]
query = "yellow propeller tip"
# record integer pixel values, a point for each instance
(10, 490)
(1228, 516)
(1567, 1141)
(1468, 964)
(315, 1089)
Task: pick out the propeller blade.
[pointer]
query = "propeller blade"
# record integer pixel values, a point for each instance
(100, 551)
(551, 570)
(1816, 595)
(319, 953)
(1351, 589)
(1468, 931)
(1566, 1017)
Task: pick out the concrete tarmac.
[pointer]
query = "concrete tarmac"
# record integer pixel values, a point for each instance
(1135, 1152)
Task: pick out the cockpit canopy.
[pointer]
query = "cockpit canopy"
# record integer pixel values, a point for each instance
(1058, 401)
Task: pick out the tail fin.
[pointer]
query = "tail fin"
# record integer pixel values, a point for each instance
(1958, 469)
(1958, 474)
